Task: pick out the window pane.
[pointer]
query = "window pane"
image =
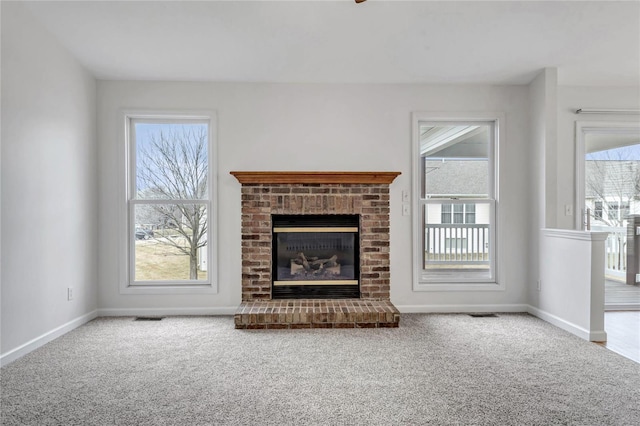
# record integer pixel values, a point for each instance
(470, 213)
(625, 210)
(171, 160)
(598, 210)
(170, 242)
(613, 211)
(612, 176)
(446, 213)
(456, 160)
(456, 247)
(458, 213)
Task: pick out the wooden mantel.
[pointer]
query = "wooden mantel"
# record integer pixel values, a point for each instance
(315, 177)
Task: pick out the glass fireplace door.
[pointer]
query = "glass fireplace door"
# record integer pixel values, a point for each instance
(315, 256)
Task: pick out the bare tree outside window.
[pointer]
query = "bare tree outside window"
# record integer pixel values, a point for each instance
(613, 182)
(172, 187)
(612, 189)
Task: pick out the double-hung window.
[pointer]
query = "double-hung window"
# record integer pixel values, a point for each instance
(614, 210)
(598, 210)
(455, 177)
(170, 226)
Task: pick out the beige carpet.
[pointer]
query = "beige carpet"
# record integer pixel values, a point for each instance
(434, 369)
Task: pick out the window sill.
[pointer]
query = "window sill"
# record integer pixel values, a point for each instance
(458, 286)
(169, 289)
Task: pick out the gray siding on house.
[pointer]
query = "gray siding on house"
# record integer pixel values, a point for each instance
(457, 177)
(607, 178)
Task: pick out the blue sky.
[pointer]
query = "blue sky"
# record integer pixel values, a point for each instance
(145, 130)
(626, 153)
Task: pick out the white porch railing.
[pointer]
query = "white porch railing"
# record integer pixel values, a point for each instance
(457, 244)
(615, 250)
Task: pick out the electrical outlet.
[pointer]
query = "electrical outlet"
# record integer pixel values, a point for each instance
(568, 210)
(69, 293)
(405, 210)
(539, 286)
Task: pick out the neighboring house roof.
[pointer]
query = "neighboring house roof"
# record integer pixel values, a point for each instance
(610, 178)
(457, 177)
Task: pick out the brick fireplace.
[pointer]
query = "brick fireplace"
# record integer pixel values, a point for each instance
(361, 194)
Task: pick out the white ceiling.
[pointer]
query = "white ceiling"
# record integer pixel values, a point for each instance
(506, 42)
(603, 141)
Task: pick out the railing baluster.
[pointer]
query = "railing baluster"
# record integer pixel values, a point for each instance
(474, 244)
(484, 243)
(456, 243)
(436, 254)
(615, 249)
(465, 243)
(452, 253)
(438, 245)
(452, 238)
(443, 247)
(447, 234)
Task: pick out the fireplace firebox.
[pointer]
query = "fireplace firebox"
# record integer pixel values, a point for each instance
(315, 257)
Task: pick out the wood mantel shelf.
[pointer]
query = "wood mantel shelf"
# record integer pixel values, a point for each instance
(315, 177)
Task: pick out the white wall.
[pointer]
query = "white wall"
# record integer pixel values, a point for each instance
(49, 186)
(541, 169)
(315, 127)
(572, 295)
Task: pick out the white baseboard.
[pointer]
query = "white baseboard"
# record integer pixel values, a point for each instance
(583, 333)
(425, 309)
(39, 341)
(136, 312)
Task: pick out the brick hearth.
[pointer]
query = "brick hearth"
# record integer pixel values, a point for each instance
(305, 313)
(363, 193)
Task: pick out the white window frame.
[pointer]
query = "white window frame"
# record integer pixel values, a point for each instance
(457, 281)
(128, 201)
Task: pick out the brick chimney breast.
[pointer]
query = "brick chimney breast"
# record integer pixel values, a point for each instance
(365, 194)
